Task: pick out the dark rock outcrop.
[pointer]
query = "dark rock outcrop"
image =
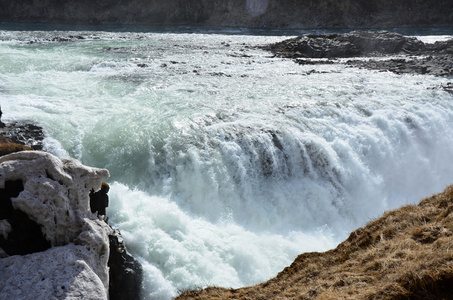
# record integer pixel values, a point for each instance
(23, 133)
(252, 13)
(125, 271)
(20, 133)
(416, 57)
(353, 44)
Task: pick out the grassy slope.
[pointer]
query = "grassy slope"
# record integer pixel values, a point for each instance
(405, 254)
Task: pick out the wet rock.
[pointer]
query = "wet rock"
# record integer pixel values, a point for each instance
(23, 133)
(125, 271)
(416, 56)
(353, 44)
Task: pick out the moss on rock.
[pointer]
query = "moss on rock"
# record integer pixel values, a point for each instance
(7, 148)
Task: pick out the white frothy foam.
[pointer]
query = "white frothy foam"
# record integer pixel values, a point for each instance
(181, 251)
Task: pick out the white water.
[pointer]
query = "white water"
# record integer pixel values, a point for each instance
(227, 163)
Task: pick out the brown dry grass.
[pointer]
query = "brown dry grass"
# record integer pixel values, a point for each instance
(405, 254)
(7, 148)
(3, 140)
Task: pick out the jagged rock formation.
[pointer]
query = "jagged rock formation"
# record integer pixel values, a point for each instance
(405, 254)
(20, 136)
(253, 13)
(55, 198)
(68, 264)
(51, 244)
(353, 44)
(23, 133)
(125, 271)
(416, 57)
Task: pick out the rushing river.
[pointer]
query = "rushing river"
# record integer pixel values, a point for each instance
(226, 162)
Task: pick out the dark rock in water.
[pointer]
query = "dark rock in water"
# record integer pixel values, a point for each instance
(23, 133)
(353, 44)
(438, 65)
(125, 271)
(448, 87)
(414, 56)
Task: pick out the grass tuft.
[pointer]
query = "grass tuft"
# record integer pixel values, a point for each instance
(7, 148)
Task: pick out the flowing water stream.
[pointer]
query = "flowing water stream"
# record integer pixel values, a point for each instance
(226, 162)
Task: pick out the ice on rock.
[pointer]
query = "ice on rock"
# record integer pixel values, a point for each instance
(56, 197)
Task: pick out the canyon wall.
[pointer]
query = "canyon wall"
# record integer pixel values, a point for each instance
(250, 13)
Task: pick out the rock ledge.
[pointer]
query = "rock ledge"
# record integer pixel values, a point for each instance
(397, 53)
(52, 246)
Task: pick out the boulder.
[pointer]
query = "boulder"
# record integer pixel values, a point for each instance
(353, 44)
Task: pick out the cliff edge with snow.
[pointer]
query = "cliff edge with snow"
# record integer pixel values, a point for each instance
(53, 194)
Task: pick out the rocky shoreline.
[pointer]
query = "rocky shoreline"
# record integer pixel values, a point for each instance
(46, 226)
(374, 50)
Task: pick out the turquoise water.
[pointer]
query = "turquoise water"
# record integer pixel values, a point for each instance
(226, 163)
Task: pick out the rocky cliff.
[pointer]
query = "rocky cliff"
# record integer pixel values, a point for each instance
(69, 253)
(53, 242)
(251, 13)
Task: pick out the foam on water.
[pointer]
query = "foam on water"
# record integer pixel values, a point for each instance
(227, 163)
(189, 251)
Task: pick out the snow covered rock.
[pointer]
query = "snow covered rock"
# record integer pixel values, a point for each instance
(55, 197)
